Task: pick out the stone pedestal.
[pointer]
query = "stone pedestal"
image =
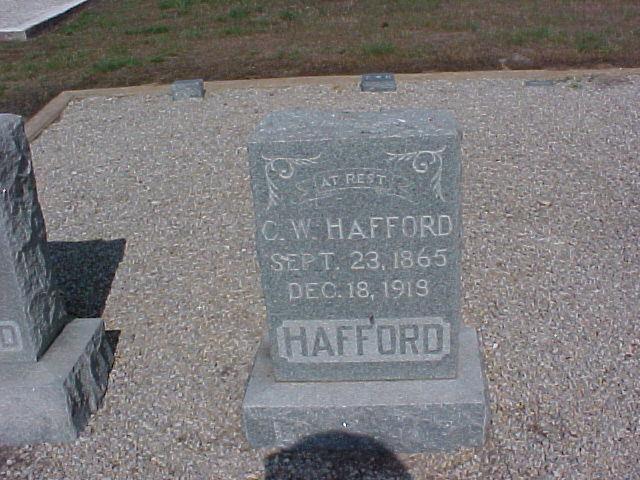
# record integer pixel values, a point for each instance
(403, 415)
(51, 400)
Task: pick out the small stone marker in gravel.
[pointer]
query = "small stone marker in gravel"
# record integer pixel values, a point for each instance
(539, 83)
(181, 89)
(53, 369)
(358, 239)
(378, 82)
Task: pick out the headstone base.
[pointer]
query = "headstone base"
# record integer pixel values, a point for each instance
(404, 415)
(51, 400)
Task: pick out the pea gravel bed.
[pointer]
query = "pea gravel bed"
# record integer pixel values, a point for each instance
(551, 271)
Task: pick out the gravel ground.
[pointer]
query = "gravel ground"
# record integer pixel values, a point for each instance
(550, 274)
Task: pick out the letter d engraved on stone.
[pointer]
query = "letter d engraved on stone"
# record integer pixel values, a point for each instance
(10, 338)
(426, 339)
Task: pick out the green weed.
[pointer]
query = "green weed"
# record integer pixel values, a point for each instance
(30, 68)
(86, 20)
(451, 25)
(420, 4)
(59, 62)
(82, 21)
(261, 24)
(111, 64)
(151, 30)
(378, 48)
(239, 13)
(288, 15)
(233, 30)
(592, 42)
(156, 59)
(530, 35)
(192, 32)
(182, 6)
(293, 55)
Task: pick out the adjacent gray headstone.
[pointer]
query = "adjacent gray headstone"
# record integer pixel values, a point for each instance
(31, 311)
(53, 370)
(378, 82)
(181, 89)
(358, 234)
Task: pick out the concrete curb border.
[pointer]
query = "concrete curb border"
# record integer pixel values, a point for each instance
(52, 110)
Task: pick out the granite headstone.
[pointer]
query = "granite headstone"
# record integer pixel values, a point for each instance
(181, 89)
(53, 369)
(358, 233)
(378, 82)
(359, 243)
(31, 310)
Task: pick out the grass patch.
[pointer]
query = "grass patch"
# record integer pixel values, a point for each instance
(31, 68)
(288, 15)
(466, 25)
(527, 36)
(64, 61)
(377, 49)
(88, 21)
(192, 32)
(156, 59)
(111, 64)
(239, 13)
(592, 42)
(234, 31)
(181, 6)
(290, 55)
(420, 4)
(151, 30)
(81, 22)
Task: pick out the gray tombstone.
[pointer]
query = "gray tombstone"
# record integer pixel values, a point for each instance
(181, 89)
(53, 369)
(378, 82)
(358, 234)
(31, 312)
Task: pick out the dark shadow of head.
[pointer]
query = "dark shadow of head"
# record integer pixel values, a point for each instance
(335, 456)
(84, 271)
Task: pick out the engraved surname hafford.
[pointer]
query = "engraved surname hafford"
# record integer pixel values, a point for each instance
(10, 339)
(364, 340)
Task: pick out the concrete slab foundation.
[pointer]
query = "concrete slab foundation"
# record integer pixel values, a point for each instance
(51, 400)
(21, 19)
(405, 416)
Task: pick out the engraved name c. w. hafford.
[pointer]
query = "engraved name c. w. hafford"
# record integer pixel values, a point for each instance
(364, 340)
(402, 252)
